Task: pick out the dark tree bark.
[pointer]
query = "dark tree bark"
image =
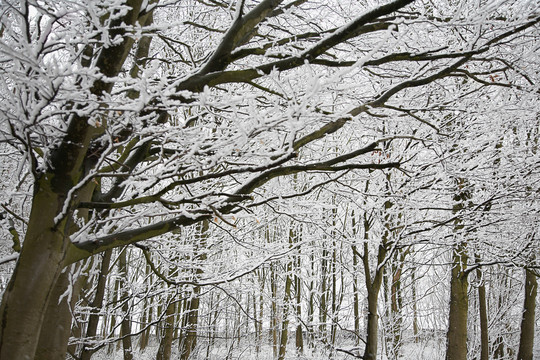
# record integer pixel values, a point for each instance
(126, 313)
(484, 329)
(97, 303)
(456, 339)
(526, 337)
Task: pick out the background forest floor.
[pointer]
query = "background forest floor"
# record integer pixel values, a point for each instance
(427, 350)
(429, 347)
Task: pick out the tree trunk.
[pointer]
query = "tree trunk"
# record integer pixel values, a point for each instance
(40, 263)
(370, 352)
(526, 337)
(456, 339)
(165, 344)
(274, 313)
(45, 249)
(299, 341)
(96, 305)
(323, 306)
(285, 318)
(415, 305)
(112, 322)
(126, 321)
(259, 312)
(190, 332)
(189, 341)
(396, 304)
(356, 298)
(484, 330)
(311, 303)
(146, 317)
(373, 286)
(56, 328)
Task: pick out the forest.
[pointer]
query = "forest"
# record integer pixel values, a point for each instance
(269, 179)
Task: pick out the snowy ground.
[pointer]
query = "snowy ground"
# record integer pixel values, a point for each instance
(428, 350)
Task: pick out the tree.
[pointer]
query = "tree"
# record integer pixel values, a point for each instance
(129, 124)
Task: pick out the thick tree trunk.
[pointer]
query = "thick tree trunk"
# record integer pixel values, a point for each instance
(456, 339)
(40, 264)
(44, 252)
(526, 338)
(56, 328)
(372, 338)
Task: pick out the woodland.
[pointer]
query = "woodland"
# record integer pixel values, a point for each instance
(266, 179)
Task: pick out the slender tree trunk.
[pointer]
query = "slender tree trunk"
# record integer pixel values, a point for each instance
(373, 287)
(373, 284)
(396, 304)
(256, 322)
(311, 302)
(356, 297)
(499, 343)
(112, 322)
(323, 306)
(146, 317)
(274, 312)
(126, 321)
(96, 305)
(526, 337)
(415, 305)
(299, 341)
(334, 304)
(189, 340)
(165, 344)
(482, 305)
(168, 323)
(143, 340)
(285, 318)
(190, 332)
(260, 303)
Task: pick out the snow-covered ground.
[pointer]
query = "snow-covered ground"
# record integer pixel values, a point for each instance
(427, 350)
